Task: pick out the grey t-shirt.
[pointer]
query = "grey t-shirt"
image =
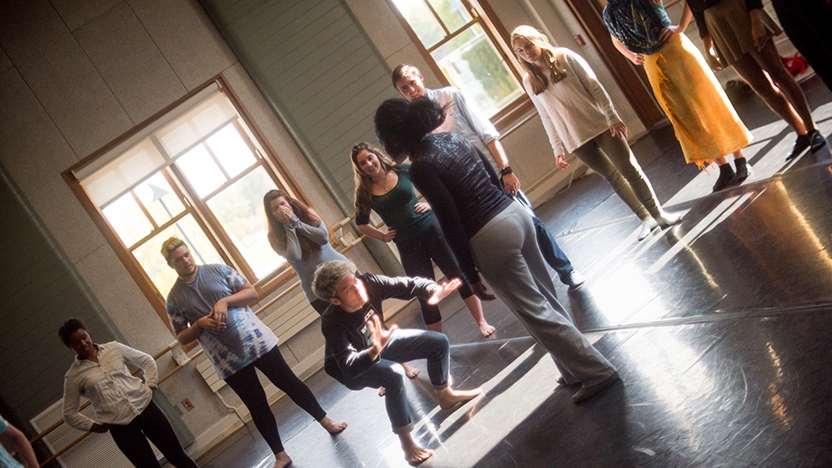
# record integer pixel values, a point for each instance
(245, 338)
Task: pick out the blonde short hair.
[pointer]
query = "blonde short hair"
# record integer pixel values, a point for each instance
(327, 277)
(170, 245)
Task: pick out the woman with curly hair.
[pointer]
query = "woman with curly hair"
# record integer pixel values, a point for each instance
(490, 234)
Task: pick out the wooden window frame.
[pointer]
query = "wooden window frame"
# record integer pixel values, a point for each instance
(268, 157)
(484, 15)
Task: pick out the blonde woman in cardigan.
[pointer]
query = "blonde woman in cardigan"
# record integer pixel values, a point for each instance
(580, 119)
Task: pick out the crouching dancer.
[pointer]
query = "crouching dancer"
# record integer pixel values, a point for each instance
(361, 352)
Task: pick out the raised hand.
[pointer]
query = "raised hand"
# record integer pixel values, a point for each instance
(284, 215)
(378, 335)
(443, 290)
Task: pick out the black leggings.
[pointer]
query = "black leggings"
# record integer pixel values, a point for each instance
(247, 386)
(151, 424)
(416, 256)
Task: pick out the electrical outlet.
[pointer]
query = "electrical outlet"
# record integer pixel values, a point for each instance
(187, 404)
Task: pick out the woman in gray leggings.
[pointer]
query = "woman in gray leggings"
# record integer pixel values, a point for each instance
(580, 118)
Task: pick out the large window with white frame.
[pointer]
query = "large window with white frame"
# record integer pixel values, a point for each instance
(198, 173)
(459, 41)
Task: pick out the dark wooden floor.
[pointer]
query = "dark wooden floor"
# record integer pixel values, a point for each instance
(721, 329)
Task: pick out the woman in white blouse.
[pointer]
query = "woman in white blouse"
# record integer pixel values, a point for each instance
(579, 118)
(122, 402)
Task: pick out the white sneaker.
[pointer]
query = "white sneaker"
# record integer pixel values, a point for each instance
(647, 226)
(668, 219)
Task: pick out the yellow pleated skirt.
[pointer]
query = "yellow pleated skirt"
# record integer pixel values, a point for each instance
(705, 122)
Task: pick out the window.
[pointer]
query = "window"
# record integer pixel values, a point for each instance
(197, 173)
(455, 36)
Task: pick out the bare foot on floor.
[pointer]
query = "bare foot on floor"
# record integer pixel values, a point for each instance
(486, 329)
(413, 453)
(449, 397)
(282, 460)
(331, 426)
(410, 372)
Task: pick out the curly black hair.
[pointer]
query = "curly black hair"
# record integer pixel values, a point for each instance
(401, 124)
(68, 328)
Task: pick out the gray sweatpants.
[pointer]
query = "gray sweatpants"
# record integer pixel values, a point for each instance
(506, 253)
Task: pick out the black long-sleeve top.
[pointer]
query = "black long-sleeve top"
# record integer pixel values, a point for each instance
(698, 8)
(462, 189)
(347, 334)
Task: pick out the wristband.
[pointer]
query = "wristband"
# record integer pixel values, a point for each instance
(505, 171)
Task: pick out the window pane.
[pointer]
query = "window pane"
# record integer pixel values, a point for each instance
(159, 199)
(150, 258)
(239, 208)
(452, 13)
(421, 20)
(128, 220)
(232, 151)
(201, 170)
(478, 70)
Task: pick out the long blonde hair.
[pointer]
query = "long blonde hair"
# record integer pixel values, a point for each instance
(538, 79)
(363, 182)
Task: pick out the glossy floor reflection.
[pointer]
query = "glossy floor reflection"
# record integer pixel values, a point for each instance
(721, 329)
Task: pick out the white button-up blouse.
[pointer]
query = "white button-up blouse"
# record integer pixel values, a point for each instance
(115, 394)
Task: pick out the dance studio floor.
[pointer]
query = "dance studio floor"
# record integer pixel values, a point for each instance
(721, 330)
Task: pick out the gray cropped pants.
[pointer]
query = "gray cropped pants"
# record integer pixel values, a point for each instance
(506, 253)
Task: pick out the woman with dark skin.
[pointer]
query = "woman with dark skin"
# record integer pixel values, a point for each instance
(122, 402)
(490, 234)
(386, 188)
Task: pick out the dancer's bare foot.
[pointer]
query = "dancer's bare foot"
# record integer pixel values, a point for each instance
(331, 426)
(410, 372)
(413, 453)
(282, 460)
(486, 329)
(449, 397)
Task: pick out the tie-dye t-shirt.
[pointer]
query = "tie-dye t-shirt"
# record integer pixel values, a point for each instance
(245, 338)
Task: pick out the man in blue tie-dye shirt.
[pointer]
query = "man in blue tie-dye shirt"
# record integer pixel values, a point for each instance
(209, 303)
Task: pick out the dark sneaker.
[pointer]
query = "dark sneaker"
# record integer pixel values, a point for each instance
(800, 145)
(727, 177)
(817, 141)
(742, 169)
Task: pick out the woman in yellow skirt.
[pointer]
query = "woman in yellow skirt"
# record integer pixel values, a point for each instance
(705, 122)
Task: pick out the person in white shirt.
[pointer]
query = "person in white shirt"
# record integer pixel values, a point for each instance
(123, 402)
(579, 118)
